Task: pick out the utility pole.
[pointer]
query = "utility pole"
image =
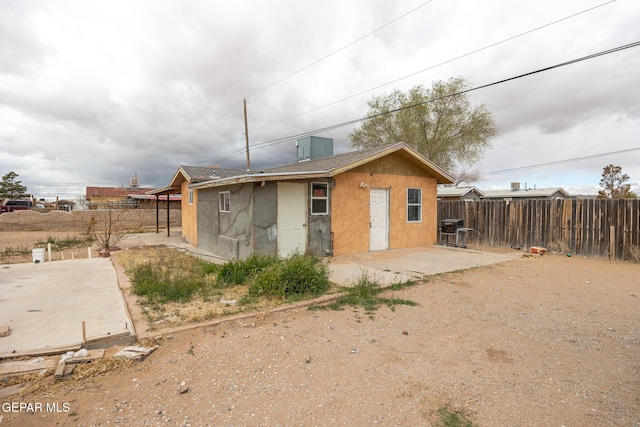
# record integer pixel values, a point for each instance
(246, 133)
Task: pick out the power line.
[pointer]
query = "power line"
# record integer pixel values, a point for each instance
(435, 66)
(350, 122)
(340, 49)
(309, 66)
(559, 162)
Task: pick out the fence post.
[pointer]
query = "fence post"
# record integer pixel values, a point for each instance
(612, 243)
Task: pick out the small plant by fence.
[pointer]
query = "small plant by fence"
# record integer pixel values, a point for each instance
(588, 227)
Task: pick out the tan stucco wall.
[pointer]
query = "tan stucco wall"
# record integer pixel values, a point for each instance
(350, 209)
(189, 215)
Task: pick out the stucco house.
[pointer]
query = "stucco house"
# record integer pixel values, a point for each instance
(355, 202)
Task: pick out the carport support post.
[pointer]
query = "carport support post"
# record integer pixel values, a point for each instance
(168, 232)
(157, 214)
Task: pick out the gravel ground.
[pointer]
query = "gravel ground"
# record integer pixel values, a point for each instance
(548, 341)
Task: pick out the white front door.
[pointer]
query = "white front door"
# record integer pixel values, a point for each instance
(379, 219)
(292, 218)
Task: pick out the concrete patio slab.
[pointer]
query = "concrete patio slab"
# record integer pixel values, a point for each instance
(401, 265)
(45, 304)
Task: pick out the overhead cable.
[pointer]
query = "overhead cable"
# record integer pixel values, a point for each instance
(431, 67)
(269, 143)
(559, 162)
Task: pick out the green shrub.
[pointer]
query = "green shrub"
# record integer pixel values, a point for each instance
(210, 268)
(268, 283)
(300, 275)
(304, 275)
(238, 271)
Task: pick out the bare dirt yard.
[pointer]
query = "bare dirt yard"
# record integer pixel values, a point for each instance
(546, 341)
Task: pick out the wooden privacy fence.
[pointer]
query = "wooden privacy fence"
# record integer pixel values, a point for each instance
(588, 227)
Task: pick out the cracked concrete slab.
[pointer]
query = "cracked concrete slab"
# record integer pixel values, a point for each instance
(46, 303)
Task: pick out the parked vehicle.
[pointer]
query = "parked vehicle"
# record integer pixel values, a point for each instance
(16, 205)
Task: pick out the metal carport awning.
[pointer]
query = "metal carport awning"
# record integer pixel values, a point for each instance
(164, 191)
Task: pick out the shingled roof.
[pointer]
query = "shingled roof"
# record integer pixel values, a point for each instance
(458, 191)
(331, 166)
(195, 174)
(325, 164)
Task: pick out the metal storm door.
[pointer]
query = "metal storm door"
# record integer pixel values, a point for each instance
(292, 218)
(379, 219)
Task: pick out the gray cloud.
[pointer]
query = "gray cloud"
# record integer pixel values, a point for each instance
(91, 93)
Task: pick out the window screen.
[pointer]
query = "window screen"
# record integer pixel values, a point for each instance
(319, 198)
(414, 204)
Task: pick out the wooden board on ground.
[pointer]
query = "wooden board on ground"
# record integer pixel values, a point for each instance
(13, 389)
(20, 366)
(92, 355)
(135, 352)
(42, 352)
(63, 370)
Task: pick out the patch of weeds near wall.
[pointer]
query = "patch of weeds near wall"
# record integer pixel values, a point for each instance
(175, 278)
(291, 278)
(159, 285)
(178, 278)
(237, 272)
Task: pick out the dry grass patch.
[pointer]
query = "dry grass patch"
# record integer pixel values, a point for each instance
(175, 288)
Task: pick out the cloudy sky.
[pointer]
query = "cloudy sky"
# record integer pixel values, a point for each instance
(92, 92)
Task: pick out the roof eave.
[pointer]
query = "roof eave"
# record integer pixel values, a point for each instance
(258, 177)
(179, 171)
(163, 190)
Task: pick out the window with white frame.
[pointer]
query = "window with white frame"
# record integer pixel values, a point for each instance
(319, 198)
(190, 196)
(225, 201)
(414, 204)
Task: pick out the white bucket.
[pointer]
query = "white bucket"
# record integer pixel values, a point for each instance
(38, 255)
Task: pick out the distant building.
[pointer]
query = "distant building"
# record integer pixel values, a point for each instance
(116, 197)
(459, 193)
(517, 193)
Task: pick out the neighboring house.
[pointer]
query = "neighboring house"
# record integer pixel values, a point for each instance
(113, 197)
(374, 199)
(516, 193)
(459, 193)
(116, 197)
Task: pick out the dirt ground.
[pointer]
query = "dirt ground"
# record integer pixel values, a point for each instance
(547, 341)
